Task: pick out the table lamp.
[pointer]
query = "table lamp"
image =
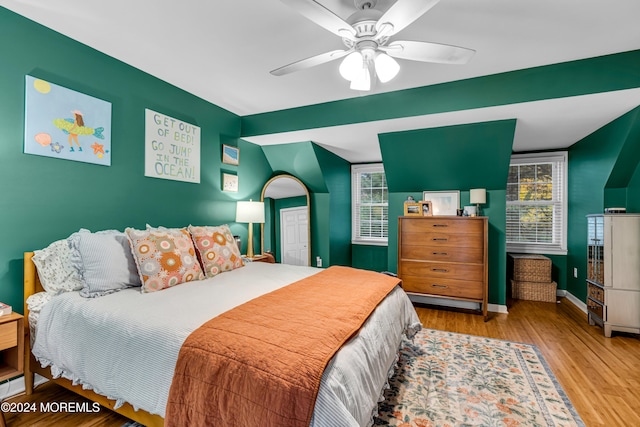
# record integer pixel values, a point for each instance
(478, 196)
(250, 212)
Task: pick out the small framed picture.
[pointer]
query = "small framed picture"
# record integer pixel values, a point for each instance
(229, 182)
(425, 208)
(412, 209)
(230, 155)
(443, 202)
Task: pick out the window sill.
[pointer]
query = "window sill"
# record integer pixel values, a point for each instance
(541, 250)
(369, 243)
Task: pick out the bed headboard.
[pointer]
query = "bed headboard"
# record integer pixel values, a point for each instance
(32, 283)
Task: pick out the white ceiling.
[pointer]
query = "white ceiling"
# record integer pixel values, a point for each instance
(223, 50)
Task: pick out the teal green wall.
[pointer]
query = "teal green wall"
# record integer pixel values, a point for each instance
(453, 158)
(337, 173)
(328, 178)
(609, 156)
(368, 257)
(559, 270)
(45, 199)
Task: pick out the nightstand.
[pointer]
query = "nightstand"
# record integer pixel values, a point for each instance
(262, 258)
(11, 346)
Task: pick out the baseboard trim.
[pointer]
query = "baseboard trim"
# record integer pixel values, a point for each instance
(498, 308)
(573, 300)
(451, 303)
(15, 386)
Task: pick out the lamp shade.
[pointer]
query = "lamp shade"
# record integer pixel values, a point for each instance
(250, 212)
(351, 65)
(386, 67)
(478, 195)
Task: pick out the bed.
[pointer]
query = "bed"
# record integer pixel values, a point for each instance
(121, 349)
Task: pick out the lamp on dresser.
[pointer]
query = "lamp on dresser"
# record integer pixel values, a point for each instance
(250, 212)
(478, 196)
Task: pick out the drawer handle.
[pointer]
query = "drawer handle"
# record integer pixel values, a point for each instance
(435, 285)
(439, 253)
(440, 270)
(440, 225)
(439, 239)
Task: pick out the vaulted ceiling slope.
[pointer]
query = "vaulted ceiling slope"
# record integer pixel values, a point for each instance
(223, 51)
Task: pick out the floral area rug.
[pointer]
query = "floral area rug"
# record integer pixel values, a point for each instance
(450, 379)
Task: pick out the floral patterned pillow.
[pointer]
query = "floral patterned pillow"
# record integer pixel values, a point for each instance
(55, 269)
(217, 249)
(164, 257)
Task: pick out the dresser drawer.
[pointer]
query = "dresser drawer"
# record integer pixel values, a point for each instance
(443, 253)
(8, 335)
(443, 287)
(444, 225)
(443, 270)
(441, 239)
(595, 308)
(595, 292)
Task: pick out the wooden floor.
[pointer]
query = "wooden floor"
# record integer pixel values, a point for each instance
(600, 375)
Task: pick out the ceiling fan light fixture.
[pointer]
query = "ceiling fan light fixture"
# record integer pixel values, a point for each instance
(385, 30)
(351, 66)
(362, 80)
(386, 67)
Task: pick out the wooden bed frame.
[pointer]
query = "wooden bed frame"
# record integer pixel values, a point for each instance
(32, 285)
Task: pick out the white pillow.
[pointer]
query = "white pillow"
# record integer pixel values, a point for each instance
(104, 261)
(55, 270)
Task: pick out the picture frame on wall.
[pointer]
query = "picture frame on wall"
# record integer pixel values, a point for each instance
(229, 182)
(65, 124)
(443, 202)
(230, 155)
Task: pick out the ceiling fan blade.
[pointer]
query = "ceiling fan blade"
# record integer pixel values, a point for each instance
(311, 62)
(322, 16)
(403, 13)
(428, 52)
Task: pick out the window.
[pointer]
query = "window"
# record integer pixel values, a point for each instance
(537, 203)
(369, 204)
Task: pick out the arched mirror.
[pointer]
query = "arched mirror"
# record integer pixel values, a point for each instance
(286, 232)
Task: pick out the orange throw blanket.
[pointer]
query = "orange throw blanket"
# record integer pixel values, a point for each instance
(260, 364)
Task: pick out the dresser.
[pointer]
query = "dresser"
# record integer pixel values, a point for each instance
(444, 257)
(613, 272)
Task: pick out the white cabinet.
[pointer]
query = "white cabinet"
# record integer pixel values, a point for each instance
(613, 272)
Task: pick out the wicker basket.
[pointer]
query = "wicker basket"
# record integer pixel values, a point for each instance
(534, 291)
(530, 268)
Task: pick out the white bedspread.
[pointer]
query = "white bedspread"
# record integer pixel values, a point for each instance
(125, 345)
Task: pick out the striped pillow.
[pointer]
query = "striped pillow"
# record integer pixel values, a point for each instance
(104, 262)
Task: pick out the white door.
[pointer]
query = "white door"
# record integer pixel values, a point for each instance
(294, 236)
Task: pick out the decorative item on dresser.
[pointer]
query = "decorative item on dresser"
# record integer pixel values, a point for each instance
(478, 196)
(444, 257)
(613, 272)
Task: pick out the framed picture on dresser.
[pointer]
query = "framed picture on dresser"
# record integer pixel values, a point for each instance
(426, 208)
(443, 202)
(412, 208)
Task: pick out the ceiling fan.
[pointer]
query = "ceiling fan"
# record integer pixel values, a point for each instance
(366, 36)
